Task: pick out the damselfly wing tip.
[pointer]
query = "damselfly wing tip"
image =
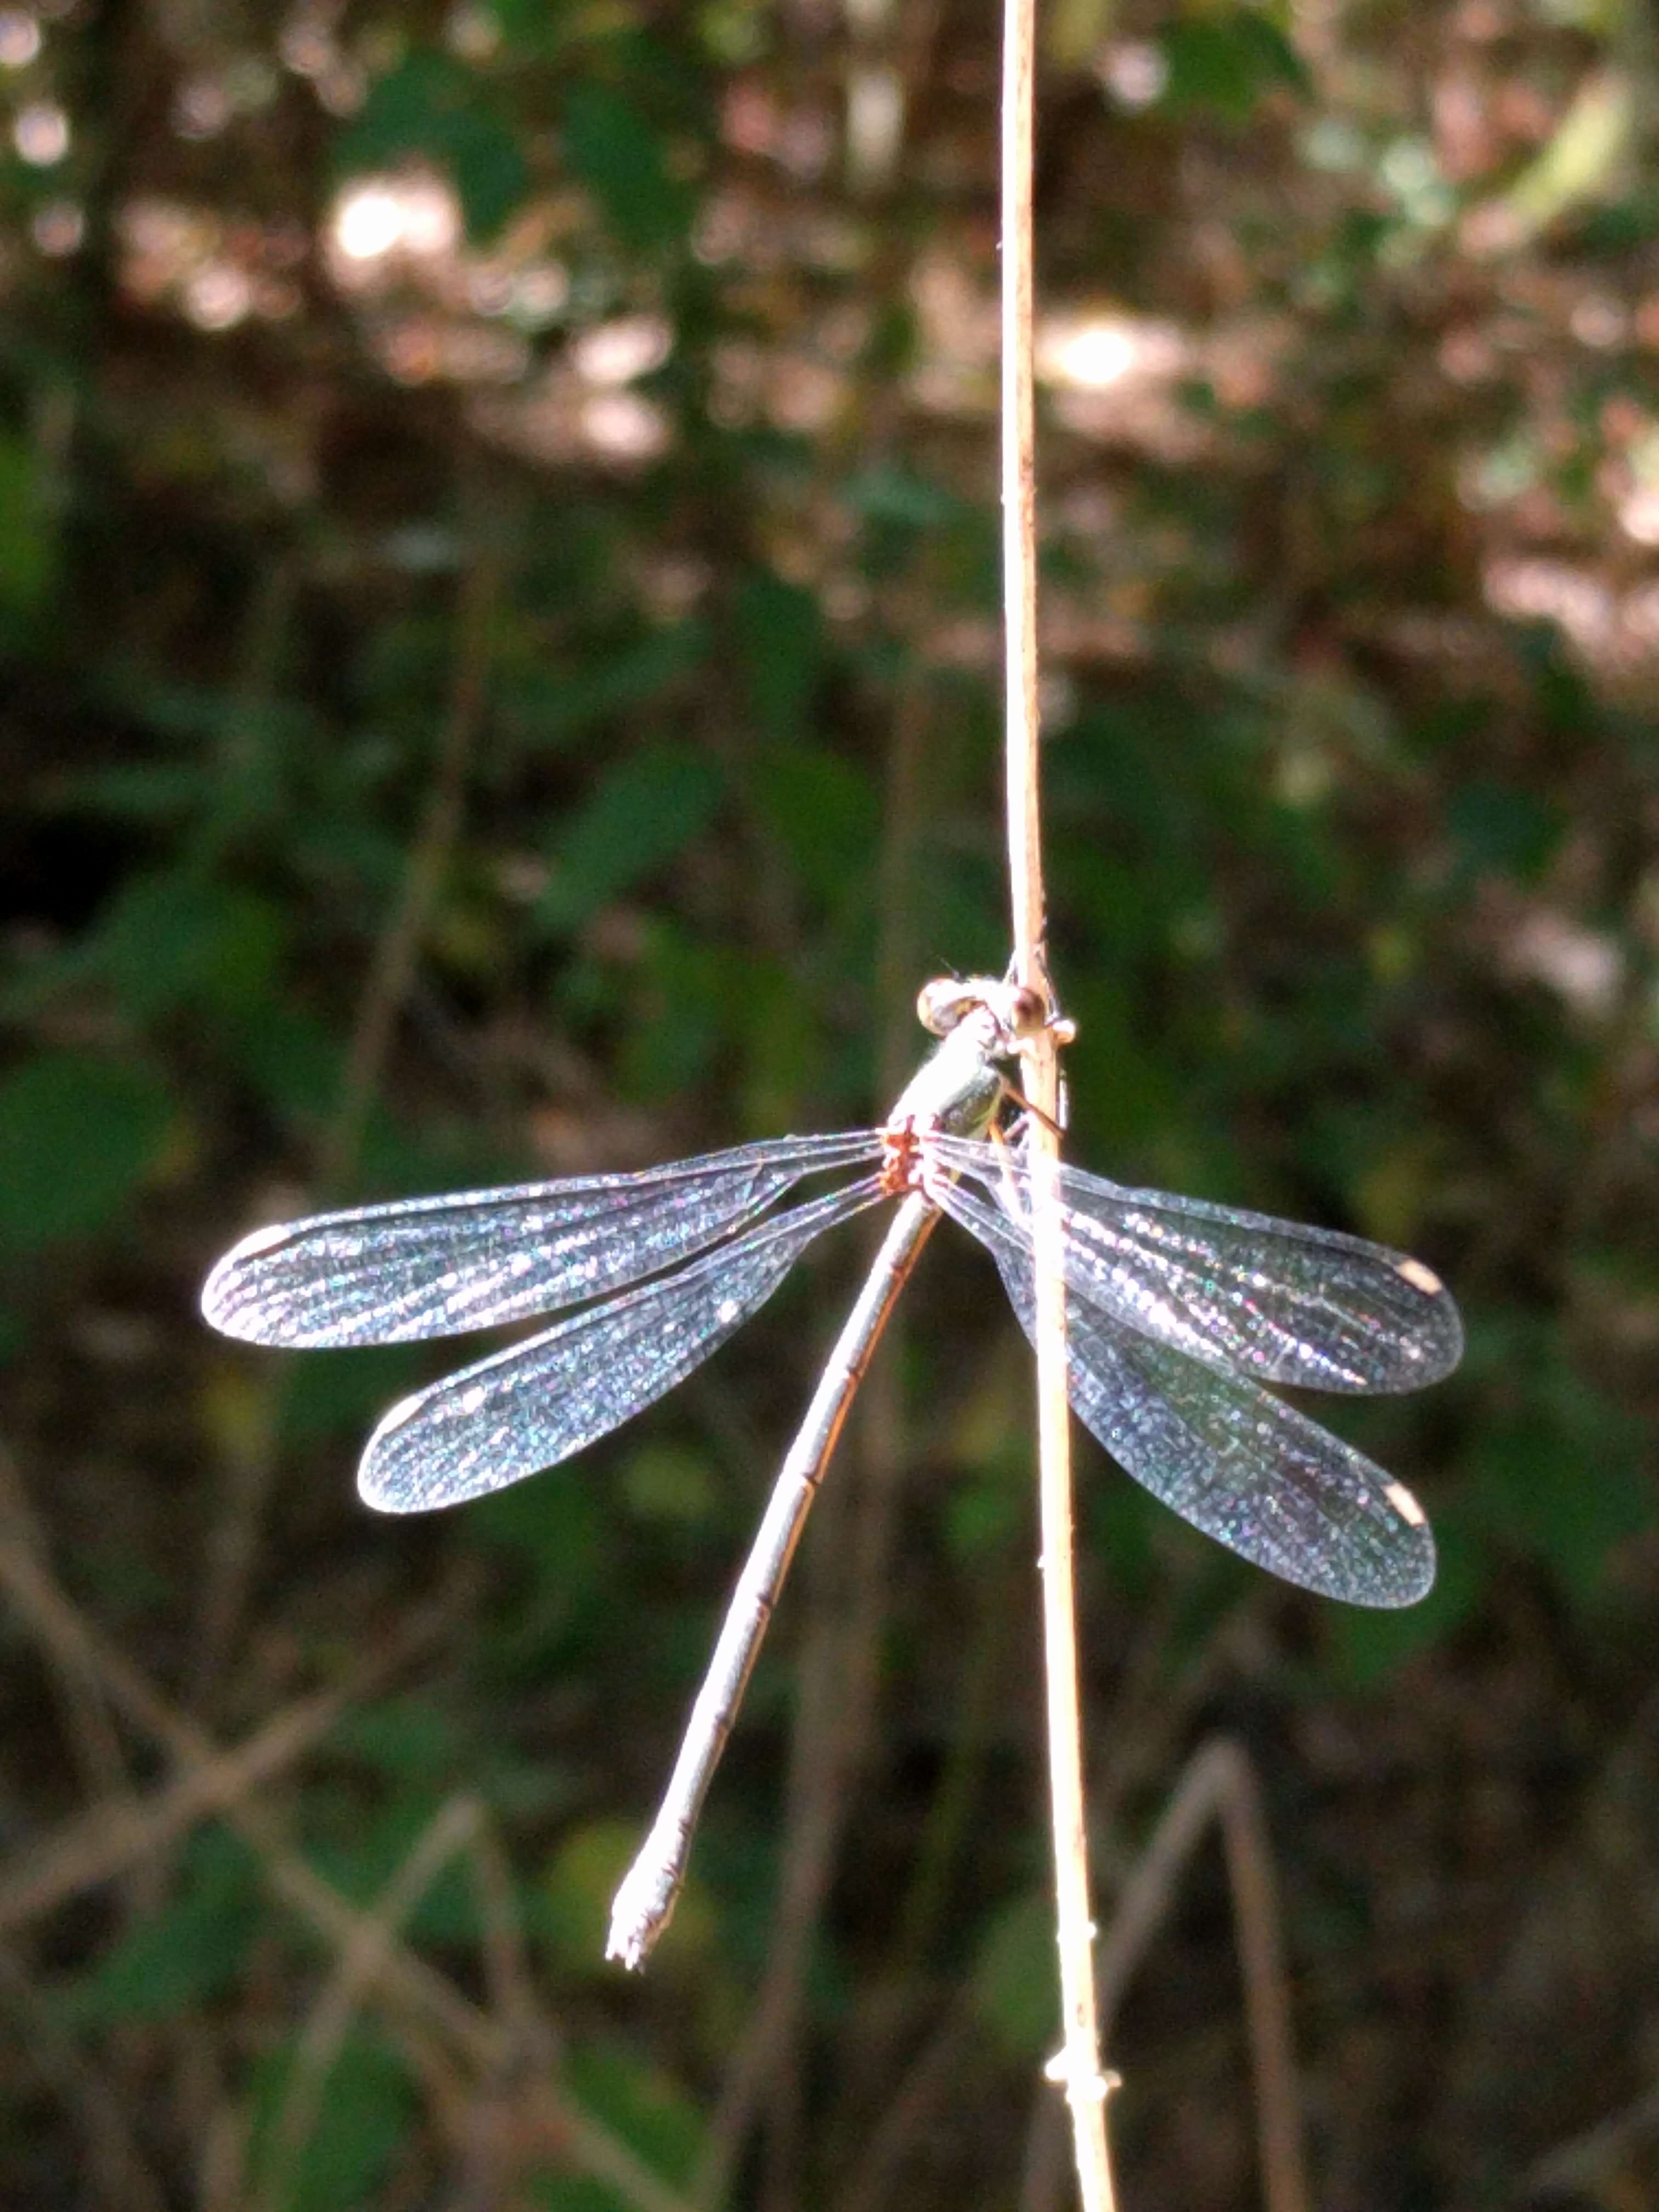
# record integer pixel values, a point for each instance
(225, 1304)
(379, 1470)
(1440, 1345)
(1414, 1564)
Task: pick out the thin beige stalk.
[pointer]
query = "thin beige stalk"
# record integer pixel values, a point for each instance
(1076, 2066)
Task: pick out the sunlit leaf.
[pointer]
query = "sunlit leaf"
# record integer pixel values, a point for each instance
(573, 1908)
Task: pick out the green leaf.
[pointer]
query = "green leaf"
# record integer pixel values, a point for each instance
(170, 939)
(887, 493)
(695, 994)
(339, 1393)
(1499, 829)
(367, 2109)
(668, 1483)
(410, 1737)
(78, 1135)
(622, 159)
(1123, 1523)
(1016, 1983)
(642, 2103)
(28, 539)
(570, 1910)
(640, 817)
(782, 636)
(290, 1060)
(1226, 64)
(192, 1948)
(1567, 1477)
(573, 1906)
(551, 710)
(826, 813)
(1368, 1645)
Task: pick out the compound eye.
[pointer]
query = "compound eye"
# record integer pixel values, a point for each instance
(941, 1004)
(1027, 1011)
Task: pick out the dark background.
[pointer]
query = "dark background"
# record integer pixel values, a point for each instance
(498, 588)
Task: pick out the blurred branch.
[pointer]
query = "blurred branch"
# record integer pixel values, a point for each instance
(1583, 158)
(92, 1740)
(403, 1979)
(1580, 2169)
(114, 1833)
(1218, 1782)
(358, 1967)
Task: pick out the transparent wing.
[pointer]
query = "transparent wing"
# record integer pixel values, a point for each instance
(538, 1402)
(433, 1266)
(1256, 1474)
(1238, 1291)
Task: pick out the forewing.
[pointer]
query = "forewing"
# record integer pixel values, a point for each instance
(535, 1404)
(1240, 1292)
(434, 1267)
(1256, 1474)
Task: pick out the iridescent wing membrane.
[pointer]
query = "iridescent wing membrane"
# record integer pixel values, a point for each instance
(1176, 1312)
(1175, 1307)
(425, 1267)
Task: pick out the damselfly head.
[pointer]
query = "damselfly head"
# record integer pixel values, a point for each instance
(1016, 1011)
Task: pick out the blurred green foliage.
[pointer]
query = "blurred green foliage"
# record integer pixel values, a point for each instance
(498, 571)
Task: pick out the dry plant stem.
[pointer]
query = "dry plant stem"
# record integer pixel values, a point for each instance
(1077, 2066)
(405, 1983)
(92, 1737)
(1219, 1783)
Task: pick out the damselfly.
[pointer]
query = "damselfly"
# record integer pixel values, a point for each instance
(1177, 1313)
